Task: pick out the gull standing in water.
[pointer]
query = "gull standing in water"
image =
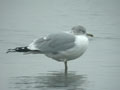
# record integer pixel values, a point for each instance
(63, 47)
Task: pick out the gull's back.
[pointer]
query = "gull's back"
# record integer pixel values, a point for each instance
(53, 43)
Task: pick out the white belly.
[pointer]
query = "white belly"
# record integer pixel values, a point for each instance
(81, 44)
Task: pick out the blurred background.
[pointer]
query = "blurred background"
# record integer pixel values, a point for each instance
(21, 21)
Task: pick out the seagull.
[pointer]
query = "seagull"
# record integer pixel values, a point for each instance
(62, 47)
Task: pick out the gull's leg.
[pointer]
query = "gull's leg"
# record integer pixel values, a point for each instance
(66, 74)
(66, 67)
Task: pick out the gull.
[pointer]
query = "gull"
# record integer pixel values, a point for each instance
(62, 47)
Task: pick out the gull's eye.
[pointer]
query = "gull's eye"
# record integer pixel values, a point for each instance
(80, 31)
(83, 31)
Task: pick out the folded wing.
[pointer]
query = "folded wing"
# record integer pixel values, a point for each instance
(53, 43)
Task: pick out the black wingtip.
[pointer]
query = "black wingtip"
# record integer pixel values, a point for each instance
(10, 50)
(18, 49)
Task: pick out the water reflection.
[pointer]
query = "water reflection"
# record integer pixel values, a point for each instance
(50, 81)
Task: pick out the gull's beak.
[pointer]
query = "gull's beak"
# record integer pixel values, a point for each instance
(91, 35)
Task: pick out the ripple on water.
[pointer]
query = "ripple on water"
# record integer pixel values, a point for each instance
(50, 81)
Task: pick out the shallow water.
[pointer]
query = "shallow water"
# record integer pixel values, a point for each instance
(24, 20)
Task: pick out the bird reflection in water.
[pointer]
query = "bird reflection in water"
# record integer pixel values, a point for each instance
(50, 81)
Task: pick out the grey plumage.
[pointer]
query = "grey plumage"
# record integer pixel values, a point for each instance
(59, 46)
(54, 43)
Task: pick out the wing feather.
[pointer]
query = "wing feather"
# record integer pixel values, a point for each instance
(54, 43)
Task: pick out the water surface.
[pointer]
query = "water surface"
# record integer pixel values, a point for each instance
(24, 20)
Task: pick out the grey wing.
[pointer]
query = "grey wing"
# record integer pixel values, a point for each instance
(55, 42)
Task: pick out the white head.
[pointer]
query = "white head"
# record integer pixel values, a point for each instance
(78, 30)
